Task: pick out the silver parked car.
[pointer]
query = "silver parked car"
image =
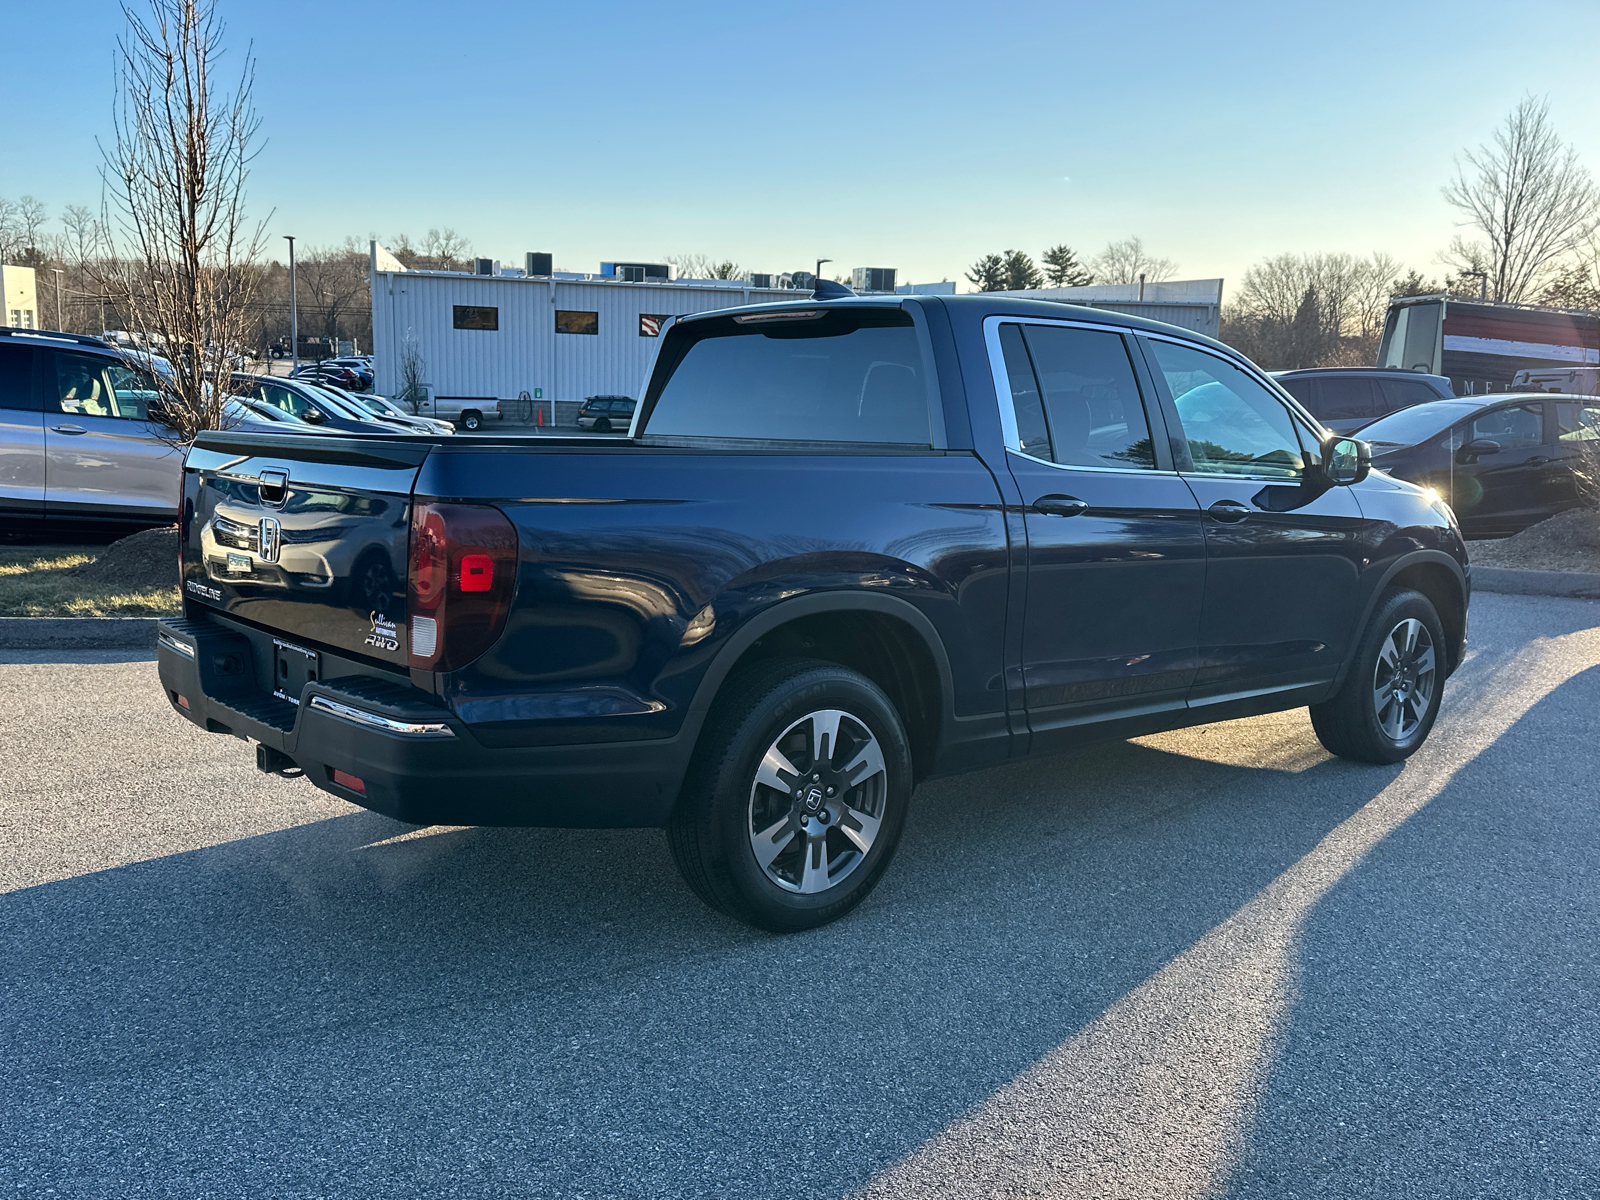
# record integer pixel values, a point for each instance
(79, 448)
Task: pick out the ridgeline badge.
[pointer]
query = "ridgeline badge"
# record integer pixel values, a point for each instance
(384, 635)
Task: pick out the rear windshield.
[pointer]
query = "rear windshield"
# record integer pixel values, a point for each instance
(842, 375)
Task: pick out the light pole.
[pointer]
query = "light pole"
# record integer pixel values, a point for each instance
(818, 275)
(56, 271)
(294, 311)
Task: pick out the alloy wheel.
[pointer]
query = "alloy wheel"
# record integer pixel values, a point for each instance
(1403, 679)
(817, 802)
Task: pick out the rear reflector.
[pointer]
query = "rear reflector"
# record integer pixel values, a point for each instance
(183, 701)
(346, 780)
(477, 572)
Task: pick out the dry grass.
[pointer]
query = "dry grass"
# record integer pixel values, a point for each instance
(34, 582)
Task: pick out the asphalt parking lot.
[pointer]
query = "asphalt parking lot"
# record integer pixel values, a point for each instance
(1215, 962)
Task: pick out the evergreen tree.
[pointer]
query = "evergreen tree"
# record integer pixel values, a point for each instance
(988, 274)
(1020, 272)
(1062, 268)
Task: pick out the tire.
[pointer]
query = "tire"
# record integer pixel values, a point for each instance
(1385, 708)
(602, 426)
(786, 708)
(471, 421)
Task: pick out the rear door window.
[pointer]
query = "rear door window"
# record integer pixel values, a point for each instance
(1346, 398)
(1080, 382)
(1403, 393)
(826, 375)
(1577, 422)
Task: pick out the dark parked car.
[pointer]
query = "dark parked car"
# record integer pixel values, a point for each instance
(853, 544)
(604, 414)
(1347, 399)
(1502, 462)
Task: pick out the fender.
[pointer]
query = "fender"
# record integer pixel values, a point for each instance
(1405, 561)
(785, 611)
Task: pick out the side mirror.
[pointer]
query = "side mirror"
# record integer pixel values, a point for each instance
(314, 416)
(1345, 461)
(1476, 449)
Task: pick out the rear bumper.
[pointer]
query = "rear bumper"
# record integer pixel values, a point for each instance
(417, 762)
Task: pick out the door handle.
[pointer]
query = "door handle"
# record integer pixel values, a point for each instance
(1060, 506)
(1538, 460)
(68, 429)
(1230, 511)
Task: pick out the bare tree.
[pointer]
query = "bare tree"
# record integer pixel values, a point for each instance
(333, 281)
(22, 223)
(1304, 310)
(445, 248)
(181, 254)
(413, 374)
(1529, 197)
(1125, 261)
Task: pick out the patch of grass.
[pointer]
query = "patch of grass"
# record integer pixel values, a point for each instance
(34, 582)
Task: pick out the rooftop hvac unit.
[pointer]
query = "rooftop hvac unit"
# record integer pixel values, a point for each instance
(483, 266)
(536, 263)
(872, 279)
(635, 272)
(761, 281)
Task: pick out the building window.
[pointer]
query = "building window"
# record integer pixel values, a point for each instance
(468, 316)
(650, 324)
(577, 322)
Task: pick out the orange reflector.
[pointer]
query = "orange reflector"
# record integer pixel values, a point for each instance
(183, 701)
(477, 572)
(349, 781)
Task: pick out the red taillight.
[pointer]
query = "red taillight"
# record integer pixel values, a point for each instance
(463, 571)
(477, 572)
(346, 780)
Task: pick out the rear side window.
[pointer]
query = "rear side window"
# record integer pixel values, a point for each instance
(1346, 398)
(1305, 391)
(16, 378)
(840, 375)
(1403, 393)
(1091, 405)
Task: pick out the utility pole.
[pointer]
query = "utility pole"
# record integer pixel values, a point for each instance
(56, 271)
(294, 310)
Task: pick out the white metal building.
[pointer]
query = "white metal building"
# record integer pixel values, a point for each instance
(19, 299)
(1194, 304)
(560, 339)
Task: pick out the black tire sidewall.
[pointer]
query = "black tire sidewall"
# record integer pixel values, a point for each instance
(757, 898)
(1401, 607)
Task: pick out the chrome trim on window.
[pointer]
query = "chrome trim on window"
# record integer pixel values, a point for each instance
(1002, 388)
(430, 729)
(171, 643)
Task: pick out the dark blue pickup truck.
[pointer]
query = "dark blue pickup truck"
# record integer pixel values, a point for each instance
(848, 544)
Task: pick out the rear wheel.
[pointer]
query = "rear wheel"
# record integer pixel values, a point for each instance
(471, 420)
(797, 797)
(1390, 697)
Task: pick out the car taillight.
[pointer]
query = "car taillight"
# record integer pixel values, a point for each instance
(463, 571)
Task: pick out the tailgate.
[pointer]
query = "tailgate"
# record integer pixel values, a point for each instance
(305, 536)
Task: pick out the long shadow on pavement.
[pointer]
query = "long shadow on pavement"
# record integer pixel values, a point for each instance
(1445, 1040)
(327, 1011)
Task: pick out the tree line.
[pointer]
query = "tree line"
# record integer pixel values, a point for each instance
(1058, 267)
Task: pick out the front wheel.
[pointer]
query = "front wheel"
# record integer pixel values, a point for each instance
(797, 797)
(1385, 708)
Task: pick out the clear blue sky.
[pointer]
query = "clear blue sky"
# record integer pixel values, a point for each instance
(917, 136)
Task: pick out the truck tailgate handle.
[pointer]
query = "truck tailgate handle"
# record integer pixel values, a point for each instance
(1060, 506)
(274, 488)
